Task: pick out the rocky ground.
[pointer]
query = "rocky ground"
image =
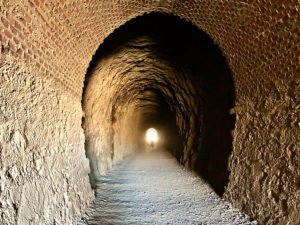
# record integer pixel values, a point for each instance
(152, 188)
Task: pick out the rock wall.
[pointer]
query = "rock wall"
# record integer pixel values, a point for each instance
(265, 163)
(110, 121)
(43, 168)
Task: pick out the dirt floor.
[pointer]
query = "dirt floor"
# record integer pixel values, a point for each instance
(152, 188)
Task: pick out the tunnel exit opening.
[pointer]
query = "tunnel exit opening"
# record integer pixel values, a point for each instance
(160, 71)
(152, 137)
(158, 114)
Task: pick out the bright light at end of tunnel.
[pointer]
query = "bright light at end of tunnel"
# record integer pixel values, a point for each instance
(151, 135)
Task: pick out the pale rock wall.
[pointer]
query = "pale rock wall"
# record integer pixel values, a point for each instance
(110, 124)
(43, 168)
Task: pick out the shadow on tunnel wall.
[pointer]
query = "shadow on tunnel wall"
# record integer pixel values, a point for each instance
(190, 50)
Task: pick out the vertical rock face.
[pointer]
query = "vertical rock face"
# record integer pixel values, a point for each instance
(43, 169)
(265, 164)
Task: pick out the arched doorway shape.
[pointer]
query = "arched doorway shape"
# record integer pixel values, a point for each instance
(193, 76)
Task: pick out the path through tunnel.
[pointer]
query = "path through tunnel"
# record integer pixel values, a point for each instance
(160, 71)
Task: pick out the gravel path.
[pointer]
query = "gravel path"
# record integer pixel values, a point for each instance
(152, 188)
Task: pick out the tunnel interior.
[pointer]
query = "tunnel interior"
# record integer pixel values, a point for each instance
(160, 71)
(156, 113)
(151, 70)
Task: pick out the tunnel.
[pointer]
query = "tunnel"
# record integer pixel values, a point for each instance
(160, 71)
(82, 82)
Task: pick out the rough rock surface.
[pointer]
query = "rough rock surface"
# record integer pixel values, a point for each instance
(43, 169)
(152, 188)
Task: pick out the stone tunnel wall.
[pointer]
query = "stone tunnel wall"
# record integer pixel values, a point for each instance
(43, 168)
(52, 42)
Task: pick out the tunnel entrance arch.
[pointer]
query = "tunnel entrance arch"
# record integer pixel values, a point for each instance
(171, 55)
